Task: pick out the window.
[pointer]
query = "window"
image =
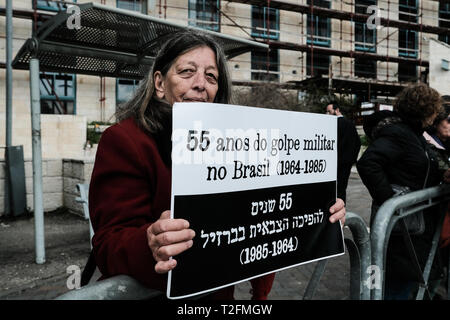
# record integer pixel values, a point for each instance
(407, 72)
(407, 39)
(318, 28)
(51, 5)
(320, 64)
(204, 14)
(366, 68)
(57, 93)
(134, 5)
(125, 89)
(265, 65)
(408, 10)
(265, 22)
(407, 43)
(365, 39)
(444, 20)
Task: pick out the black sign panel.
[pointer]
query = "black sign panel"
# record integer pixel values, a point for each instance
(243, 234)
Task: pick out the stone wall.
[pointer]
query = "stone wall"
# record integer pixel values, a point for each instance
(74, 172)
(439, 77)
(59, 177)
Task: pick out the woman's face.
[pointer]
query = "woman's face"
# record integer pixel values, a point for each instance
(429, 121)
(193, 77)
(443, 130)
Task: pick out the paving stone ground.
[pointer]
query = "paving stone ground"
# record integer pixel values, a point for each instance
(67, 243)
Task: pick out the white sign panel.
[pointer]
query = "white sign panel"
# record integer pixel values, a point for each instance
(256, 186)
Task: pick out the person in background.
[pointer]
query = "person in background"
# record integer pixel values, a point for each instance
(348, 147)
(445, 233)
(438, 136)
(130, 188)
(399, 155)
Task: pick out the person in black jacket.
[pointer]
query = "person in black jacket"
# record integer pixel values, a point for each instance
(398, 154)
(347, 148)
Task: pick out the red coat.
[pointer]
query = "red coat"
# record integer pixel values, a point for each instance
(445, 232)
(129, 189)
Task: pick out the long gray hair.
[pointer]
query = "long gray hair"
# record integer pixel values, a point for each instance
(149, 110)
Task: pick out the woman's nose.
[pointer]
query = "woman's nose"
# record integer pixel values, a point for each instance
(199, 81)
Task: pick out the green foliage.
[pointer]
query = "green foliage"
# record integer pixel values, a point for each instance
(92, 136)
(364, 140)
(93, 132)
(315, 99)
(100, 123)
(266, 95)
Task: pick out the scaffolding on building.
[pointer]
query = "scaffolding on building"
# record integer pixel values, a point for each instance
(387, 51)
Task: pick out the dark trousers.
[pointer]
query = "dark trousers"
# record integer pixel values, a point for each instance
(343, 174)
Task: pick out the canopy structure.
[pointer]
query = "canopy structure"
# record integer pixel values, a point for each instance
(107, 42)
(110, 42)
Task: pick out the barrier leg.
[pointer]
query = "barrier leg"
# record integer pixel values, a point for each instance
(315, 279)
(355, 270)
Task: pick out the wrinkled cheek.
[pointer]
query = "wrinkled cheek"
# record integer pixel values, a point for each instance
(213, 96)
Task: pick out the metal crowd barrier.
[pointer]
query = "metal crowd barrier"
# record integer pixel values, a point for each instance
(365, 250)
(124, 287)
(388, 215)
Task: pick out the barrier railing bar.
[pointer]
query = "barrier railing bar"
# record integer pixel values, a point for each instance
(412, 253)
(359, 252)
(361, 238)
(356, 289)
(120, 287)
(385, 220)
(315, 279)
(431, 255)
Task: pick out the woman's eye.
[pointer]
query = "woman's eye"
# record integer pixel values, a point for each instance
(212, 76)
(187, 71)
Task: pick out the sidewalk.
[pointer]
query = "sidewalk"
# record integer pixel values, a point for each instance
(67, 244)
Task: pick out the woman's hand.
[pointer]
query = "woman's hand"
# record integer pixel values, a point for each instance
(166, 238)
(338, 211)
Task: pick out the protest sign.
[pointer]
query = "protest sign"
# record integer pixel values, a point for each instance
(256, 186)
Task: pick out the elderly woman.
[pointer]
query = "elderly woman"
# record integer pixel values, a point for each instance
(399, 155)
(129, 194)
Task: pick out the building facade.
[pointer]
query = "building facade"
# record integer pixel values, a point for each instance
(363, 44)
(307, 38)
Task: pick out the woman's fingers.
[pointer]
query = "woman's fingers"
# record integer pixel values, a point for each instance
(338, 205)
(338, 211)
(165, 266)
(163, 244)
(171, 237)
(165, 225)
(166, 238)
(165, 252)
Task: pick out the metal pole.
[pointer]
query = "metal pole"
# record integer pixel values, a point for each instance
(9, 33)
(9, 84)
(37, 161)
